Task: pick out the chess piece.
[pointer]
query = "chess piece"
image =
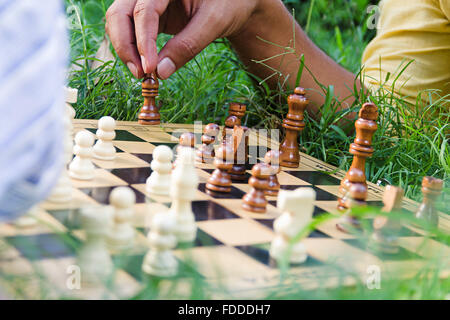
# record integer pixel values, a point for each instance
(71, 97)
(122, 233)
(28, 220)
(361, 149)
(220, 180)
(94, 259)
(350, 200)
(293, 123)
(254, 200)
(62, 192)
(104, 148)
(297, 207)
(81, 167)
(205, 153)
(431, 189)
(272, 158)
(183, 190)
(237, 109)
(159, 260)
(149, 114)
(240, 149)
(227, 133)
(187, 140)
(386, 230)
(159, 181)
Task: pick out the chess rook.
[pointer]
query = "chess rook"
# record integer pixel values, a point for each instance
(272, 158)
(386, 230)
(158, 182)
(431, 189)
(293, 124)
(149, 113)
(297, 207)
(255, 200)
(361, 149)
(104, 148)
(205, 153)
(220, 180)
(122, 233)
(81, 167)
(237, 109)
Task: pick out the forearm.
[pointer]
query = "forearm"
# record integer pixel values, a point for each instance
(272, 23)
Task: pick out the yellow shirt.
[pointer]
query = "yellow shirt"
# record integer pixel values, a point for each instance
(417, 30)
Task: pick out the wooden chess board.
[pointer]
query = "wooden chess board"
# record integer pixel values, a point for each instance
(231, 249)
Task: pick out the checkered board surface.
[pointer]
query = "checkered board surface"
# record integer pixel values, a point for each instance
(231, 249)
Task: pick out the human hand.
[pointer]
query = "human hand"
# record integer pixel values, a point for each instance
(133, 26)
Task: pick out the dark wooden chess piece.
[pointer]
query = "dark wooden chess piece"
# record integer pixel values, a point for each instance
(351, 200)
(431, 189)
(149, 114)
(187, 140)
(220, 180)
(255, 200)
(240, 148)
(227, 134)
(237, 109)
(361, 149)
(205, 153)
(386, 230)
(272, 158)
(293, 123)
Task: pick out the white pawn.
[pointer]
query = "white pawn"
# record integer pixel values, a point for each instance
(159, 260)
(104, 148)
(94, 259)
(184, 185)
(122, 233)
(81, 166)
(297, 207)
(159, 181)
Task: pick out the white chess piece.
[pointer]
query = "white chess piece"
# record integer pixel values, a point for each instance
(94, 259)
(159, 181)
(62, 192)
(159, 260)
(184, 185)
(104, 148)
(122, 233)
(297, 207)
(81, 166)
(71, 97)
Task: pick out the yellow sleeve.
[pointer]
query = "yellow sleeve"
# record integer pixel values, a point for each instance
(445, 6)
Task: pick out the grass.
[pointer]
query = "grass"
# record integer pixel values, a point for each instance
(409, 144)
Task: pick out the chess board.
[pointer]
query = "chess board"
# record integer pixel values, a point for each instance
(230, 253)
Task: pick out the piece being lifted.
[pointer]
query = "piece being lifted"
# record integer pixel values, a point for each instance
(293, 123)
(149, 114)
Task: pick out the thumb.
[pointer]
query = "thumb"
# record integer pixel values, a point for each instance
(203, 29)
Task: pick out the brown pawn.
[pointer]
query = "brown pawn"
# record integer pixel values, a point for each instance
(205, 153)
(431, 189)
(272, 158)
(240, 150)
(351, 200)
(220, 180)
(386, 231)
(149, 114)
(361, 149)
(293, 123)
(227, 133)
(187, 140)
(255, 200)
(237, 109)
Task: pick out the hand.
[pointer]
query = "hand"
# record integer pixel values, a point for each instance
(133, 26)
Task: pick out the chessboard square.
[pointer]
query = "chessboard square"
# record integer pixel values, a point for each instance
(122, 135)
(235, 193)
(134, 147)
(313, 234)
(221, 262)
(156, 136)
(321, 195)
(402, 254)
(289, 179)
(237, 232)
(79, 199)
(210, 210)
(122, 160)
(133, 175)
(235, 205)
(44, 245)
(315, 177)
(261, 254)
(202, 239)
(101, 195)
(147, 157)
(335, 191)
(70, 218)
(102, 178)
(165, 199)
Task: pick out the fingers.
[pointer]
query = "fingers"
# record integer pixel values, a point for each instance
(120, 29)
(205, 27)
(146, 19)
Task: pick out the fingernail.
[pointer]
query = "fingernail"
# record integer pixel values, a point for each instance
(131, 66)
(166, 68)
(144, 65)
